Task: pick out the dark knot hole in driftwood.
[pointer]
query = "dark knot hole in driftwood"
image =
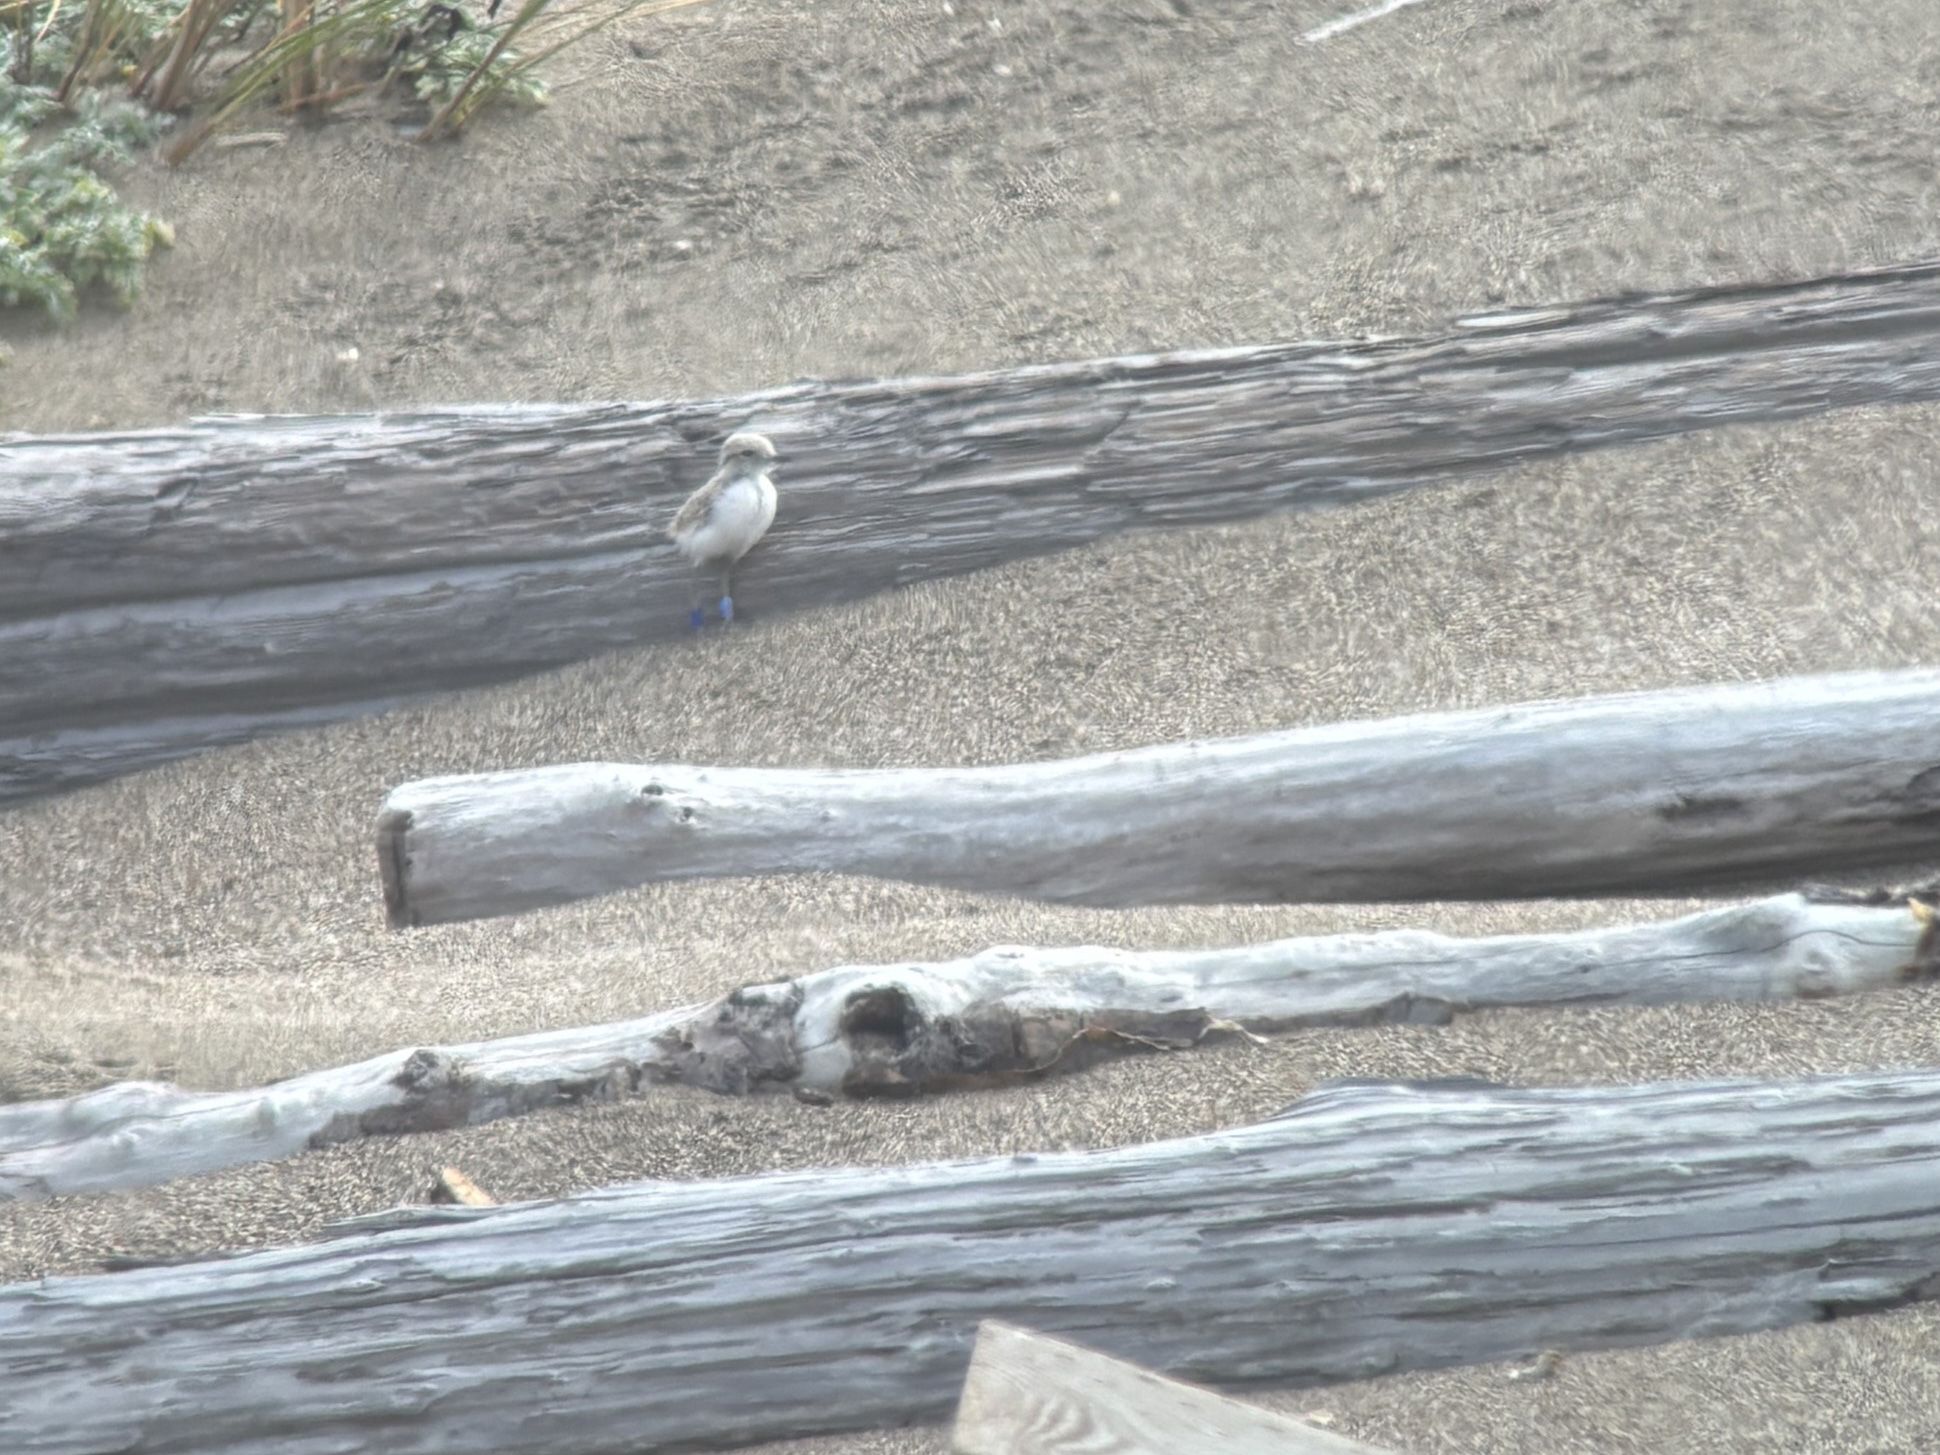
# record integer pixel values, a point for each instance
(880, 1023)
(898, 1049)
(881, 1014)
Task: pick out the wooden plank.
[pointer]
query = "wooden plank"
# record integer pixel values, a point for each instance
(1637, 793)
(1030, 1394)
(1008, 1014)
(159, 588)
(1372, 1229)
(452, 1186)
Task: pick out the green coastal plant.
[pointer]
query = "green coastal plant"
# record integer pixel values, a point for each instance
(84, 83)
(62, 228)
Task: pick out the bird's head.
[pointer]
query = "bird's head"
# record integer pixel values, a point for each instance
(748, 450)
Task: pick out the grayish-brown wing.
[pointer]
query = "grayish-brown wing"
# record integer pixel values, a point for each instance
(698, 506)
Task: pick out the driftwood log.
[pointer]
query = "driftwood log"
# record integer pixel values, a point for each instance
(1029, 1394)
(1372, 1229)
(170, 590)
(1642, 792)
(1003, 1015)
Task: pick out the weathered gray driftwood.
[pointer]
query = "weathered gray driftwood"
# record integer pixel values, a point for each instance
(1002, 1015)
(1029, 1394)
(169, 589)
(1372, 1229)
(1639, 792)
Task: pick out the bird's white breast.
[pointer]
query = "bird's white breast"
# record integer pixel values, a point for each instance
(740, 516)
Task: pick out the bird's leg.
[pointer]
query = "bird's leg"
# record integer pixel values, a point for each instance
(695, 618)
(727, 593)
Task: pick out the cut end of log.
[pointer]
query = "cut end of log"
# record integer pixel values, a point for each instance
(393, 860)
(1925, 964)
(452, 1186)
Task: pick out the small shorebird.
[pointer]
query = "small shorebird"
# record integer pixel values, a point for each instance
(723, 519)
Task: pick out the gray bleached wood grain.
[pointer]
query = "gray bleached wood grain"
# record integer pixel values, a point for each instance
(1029, 1394)
(1371, 1229)
(138, 1133)
(161, 591)
(1006, 1014)
(1640, 792)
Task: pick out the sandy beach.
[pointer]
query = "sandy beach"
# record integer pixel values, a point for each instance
(871, 188)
